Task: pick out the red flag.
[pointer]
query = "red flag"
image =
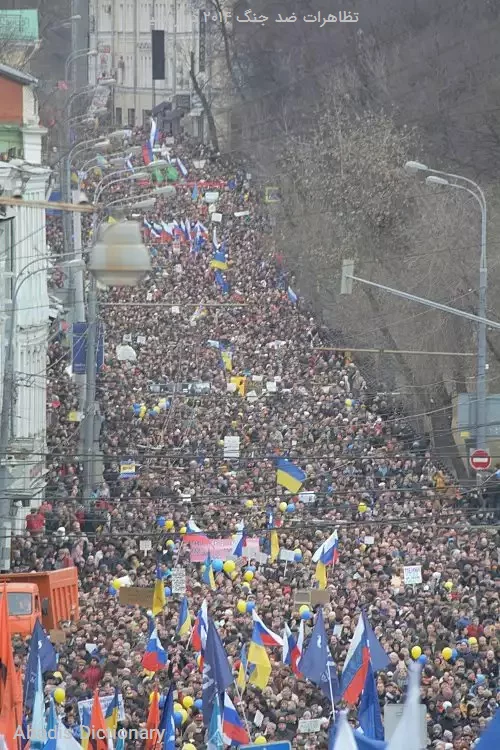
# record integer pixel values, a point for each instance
(10, 688)
(98, 729)
(153, 722)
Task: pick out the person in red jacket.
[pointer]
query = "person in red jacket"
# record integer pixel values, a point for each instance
(35, 522)
(93, 674)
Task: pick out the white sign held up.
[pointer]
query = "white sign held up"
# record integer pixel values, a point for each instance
(412, 574)
(231, 446)
(179, 585)
(306, 726)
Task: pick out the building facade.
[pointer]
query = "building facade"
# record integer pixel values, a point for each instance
(120, 30)
(25, 301)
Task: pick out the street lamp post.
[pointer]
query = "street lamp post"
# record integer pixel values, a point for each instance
(447, 179)
(120, 258)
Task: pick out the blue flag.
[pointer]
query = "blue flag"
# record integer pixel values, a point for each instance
(490, 738)
(378, 657)
(217, 675)
(317, 664)
(369, 715)
(167, 721)
(40, 648)
(362, 742)
(215, 738)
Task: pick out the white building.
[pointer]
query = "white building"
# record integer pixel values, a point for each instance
(120, 30)
(24, 300)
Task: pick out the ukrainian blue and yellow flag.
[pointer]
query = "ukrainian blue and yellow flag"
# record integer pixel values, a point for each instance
(275, 546)
(112, 712)
(159, 598)
(257, 656)
(289, 475)
(241, 680)
(184, 621)
(219, 259)
(226, 356)
(208, 574)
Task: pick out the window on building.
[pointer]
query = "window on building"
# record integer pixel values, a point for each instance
(146, 114)
(118, 116)
(131, 118)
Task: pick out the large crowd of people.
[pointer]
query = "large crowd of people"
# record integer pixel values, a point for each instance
(235, 352)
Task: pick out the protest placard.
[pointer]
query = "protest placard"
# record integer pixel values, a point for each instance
(179, 585)
(412, 574)
(306, 726)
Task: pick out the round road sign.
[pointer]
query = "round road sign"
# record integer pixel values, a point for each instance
(480, 460)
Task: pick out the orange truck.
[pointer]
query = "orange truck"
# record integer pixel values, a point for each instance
(51, 597)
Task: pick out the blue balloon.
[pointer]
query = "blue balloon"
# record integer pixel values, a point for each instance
(251, 568)
(217, 566)
(136, 408)
(168, 591)
(480, 679)
(454, 653)
(161, 520)
(250, 606)
(297, 557)
(306, 615)
(177, 718)
(198, 704)
(151, 413)
(290, 508)
(112, 591)
(422, 659)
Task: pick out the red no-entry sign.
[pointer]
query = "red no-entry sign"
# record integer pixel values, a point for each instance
(480, 460)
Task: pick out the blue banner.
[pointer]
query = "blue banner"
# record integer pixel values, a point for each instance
(55, 196)
(79, 348)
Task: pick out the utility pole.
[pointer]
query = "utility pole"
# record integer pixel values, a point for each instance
(89, 457)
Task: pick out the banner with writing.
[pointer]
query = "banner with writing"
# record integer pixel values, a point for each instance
(219, 549)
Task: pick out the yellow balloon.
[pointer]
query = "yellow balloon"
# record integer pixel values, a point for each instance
(259, 740)
(448, 585)
(59, 695)
(416, 652)
(184, 715)
(472, 641)
(348, 402)
(57, 675)
(362, 508)
(282, 507)
(241, 606)
(152, 696)
(447, 653)
(229, 566)
(169, 524)
(249, 503)
(170, 543)
(234, 575)
(177, 707)
(248, 576)
(182, 530)
(303, 608)
(188, 746)
(116, 584)
(187, 701)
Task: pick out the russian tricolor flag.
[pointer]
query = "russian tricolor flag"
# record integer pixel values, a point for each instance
(292, 649)
(200, 629)
(194, 533)
(364, 648)
(239, 544)
(267, 636)
(233, 731)
(155, 656)
(147, 153)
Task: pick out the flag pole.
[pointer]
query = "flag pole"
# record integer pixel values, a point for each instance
(242, 705)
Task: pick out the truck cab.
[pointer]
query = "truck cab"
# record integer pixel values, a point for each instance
(23, 600)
